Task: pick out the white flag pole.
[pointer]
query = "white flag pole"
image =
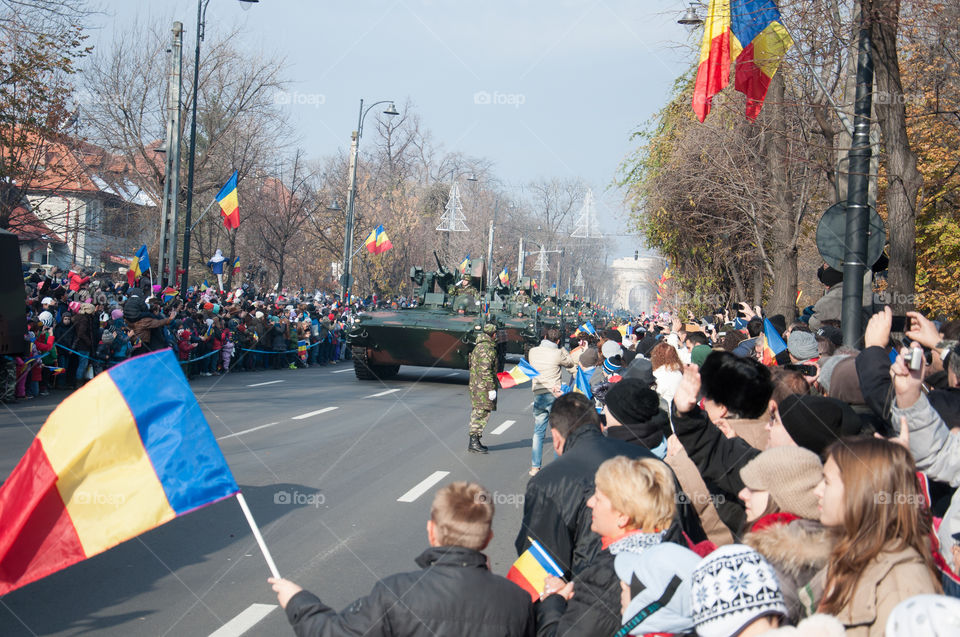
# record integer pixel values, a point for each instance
(256, 534)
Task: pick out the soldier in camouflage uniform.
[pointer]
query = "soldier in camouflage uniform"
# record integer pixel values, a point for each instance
(483, 385)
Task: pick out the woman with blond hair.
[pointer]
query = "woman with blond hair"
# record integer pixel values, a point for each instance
(633, 505)
(871, 497)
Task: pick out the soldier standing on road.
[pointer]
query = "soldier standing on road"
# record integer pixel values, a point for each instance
(483, 385)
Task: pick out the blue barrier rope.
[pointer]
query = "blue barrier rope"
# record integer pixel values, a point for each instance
(216, 351)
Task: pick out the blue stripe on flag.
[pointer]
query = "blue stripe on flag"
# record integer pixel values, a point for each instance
(174, 431)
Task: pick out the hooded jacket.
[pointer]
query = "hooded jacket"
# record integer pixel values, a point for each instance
(797, 550)
(453, 594)
(555, 511)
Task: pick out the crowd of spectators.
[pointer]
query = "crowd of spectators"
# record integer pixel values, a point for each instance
(704, 484)
(81, 322)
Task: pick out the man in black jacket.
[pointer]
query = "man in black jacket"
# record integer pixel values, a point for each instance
(454, 594)
(555, 511)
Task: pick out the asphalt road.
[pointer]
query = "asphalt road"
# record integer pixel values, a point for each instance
(330, 468)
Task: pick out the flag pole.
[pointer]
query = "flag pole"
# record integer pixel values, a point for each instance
(205, 211)
(256, 534)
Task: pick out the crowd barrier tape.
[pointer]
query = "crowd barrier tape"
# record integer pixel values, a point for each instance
(199, 358)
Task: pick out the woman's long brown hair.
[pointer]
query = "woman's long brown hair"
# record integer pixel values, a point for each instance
(883, 510)
(663, 354)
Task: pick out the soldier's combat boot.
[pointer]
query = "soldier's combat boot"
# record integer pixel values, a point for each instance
(482, 446)
(475, 446)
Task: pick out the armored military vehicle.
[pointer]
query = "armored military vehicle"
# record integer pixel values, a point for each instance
(514, 308)
(439, 332)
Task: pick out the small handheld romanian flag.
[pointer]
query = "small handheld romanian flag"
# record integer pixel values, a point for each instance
(772, 343)
(377, 241)
(143, 456)
(465, 264)
(229, 203)
(505, 277)
(236, 265)
(530, 570)
(518, 375)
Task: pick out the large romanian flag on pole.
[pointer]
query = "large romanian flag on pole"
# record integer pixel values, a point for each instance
(229, 203)
(377, 241)
(127, 453)
(749, 33)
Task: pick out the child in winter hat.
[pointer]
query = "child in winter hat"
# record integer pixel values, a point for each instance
(733, 588)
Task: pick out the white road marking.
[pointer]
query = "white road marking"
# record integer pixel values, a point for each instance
(342, 371)
(383, 393)
(314, 413)
(269, 382)
(244, 621)
(506, 425)
(246, 431)
(423, 487)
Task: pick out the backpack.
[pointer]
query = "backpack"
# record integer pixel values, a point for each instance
(134, 308)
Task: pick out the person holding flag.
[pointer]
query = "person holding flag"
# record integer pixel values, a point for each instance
(549, 359)
(216, 264)
(454, 594)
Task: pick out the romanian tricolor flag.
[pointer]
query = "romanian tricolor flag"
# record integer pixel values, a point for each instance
(302, 350)
(143, 456)
(518, 375)
(377, 241)
(581, 383)
(504, 277)
(138, 265)
(530, 570)
(236, 265)
(587, 328)
(204, 286)
(772, 343)
(749, 33)
(465, 263)
(229, 203)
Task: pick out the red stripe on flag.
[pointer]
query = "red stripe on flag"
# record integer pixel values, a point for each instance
(751, 81)
(515, 576)
(712, 75)
(39, 538)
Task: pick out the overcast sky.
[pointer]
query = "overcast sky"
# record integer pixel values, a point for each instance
(541, 89)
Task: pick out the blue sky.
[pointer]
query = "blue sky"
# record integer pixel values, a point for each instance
(541, 89)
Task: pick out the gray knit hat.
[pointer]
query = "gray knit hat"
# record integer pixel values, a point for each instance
(789, 474)
(732, 587)
(803, 345)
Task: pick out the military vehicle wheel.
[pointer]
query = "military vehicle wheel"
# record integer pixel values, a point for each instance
(362, 371)
(386, 371)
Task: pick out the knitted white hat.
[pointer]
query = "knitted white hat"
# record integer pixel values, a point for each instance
(732, 587)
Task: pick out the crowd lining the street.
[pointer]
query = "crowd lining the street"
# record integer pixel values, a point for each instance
(80, 323)
(702, 485)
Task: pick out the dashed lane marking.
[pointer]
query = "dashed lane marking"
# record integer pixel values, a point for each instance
(342, 371)
(506, 425)
(269, 382)
(246, 431)
(383, 393)
(423, 487)
(313, 413)
(244, 621)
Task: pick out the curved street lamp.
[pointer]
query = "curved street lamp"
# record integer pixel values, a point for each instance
(346, 281)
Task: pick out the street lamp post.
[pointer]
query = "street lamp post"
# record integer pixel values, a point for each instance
(346, 278)
(201, 27)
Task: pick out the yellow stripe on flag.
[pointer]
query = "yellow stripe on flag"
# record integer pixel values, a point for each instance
(105, 477)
